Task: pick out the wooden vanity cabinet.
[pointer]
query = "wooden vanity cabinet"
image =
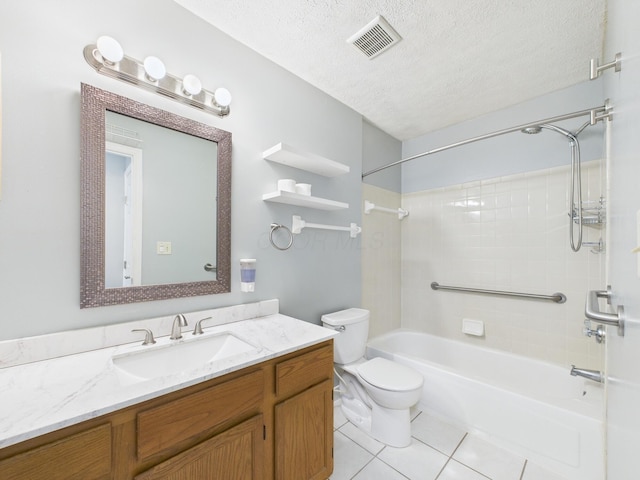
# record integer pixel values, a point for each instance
(271, 420)
(304, 416)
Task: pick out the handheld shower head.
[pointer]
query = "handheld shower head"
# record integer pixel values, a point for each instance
(534, 129)
(576, 176)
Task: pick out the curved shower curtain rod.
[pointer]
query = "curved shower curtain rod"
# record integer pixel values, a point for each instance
(596, 114)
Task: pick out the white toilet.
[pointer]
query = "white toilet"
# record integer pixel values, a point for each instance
(377, 394)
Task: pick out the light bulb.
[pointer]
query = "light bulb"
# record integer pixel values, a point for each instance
(154, 68)
(191, 85)
(222, 97)
(110, 50)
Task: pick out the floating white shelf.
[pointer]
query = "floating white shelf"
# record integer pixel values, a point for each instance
(310, 162)
(291, 198)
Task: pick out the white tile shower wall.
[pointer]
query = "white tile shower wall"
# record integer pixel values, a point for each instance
(509, 233)
(381, 260)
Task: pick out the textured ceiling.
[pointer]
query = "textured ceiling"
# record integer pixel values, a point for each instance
(458, 59)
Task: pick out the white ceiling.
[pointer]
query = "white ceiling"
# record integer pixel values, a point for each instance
(458, 59)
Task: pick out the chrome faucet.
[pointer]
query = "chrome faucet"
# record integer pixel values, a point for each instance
(176, 331)
(594, 375)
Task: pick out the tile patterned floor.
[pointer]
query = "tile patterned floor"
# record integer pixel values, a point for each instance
(438, 451)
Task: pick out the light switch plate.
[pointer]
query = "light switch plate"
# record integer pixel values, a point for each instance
(163, 248)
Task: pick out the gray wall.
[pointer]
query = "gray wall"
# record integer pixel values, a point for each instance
(507, 154)
(42, 68)
(379, 149)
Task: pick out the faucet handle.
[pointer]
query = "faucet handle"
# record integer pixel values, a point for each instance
(599, 333)
(148, 337)
(198, 328)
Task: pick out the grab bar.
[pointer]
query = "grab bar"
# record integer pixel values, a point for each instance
(556, 297)
(592, 310)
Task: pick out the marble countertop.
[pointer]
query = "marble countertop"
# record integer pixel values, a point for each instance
(47, 395)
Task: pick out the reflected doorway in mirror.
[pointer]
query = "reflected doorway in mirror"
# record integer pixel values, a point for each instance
(123, 215)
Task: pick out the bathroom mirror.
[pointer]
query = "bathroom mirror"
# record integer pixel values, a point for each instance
(156, 203)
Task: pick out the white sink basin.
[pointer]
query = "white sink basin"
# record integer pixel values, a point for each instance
(158, 361)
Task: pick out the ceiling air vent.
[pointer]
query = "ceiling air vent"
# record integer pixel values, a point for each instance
(376, 37)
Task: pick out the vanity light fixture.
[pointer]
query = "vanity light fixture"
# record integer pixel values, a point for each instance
(110, 50)
(154, 68)
(191, 85)
(222, 97)
(107, 57)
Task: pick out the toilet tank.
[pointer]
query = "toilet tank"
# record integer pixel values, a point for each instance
(353, 326)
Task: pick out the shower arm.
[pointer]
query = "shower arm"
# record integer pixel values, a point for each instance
(596, 114)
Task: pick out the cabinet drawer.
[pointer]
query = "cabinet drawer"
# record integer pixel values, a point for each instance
(176, 421)
(298, 373)
(236, 453)
(83, 455)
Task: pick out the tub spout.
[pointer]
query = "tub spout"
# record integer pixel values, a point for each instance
(594, 375)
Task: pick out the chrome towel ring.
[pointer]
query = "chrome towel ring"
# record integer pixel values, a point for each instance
(274, 228)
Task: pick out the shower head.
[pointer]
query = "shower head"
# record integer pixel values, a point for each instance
(538, 128)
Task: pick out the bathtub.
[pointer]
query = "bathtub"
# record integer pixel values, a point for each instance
(529, 407)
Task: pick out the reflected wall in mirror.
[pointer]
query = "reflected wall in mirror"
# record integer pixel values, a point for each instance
(156, 197)
(163, 183)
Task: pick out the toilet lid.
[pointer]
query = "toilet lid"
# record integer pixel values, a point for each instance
(388, 375)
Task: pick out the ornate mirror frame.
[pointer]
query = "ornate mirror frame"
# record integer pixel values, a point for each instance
(95, 103)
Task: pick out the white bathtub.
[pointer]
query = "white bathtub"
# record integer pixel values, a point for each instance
(532, 408)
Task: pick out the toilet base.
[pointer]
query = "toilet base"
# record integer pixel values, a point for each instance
(357, 413)
(391, 427)
(388, 426)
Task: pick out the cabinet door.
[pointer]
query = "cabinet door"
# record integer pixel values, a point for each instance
(85, 455)
(235, 454)
(304, 435)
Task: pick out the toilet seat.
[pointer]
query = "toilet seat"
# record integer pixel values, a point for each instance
(387, 375)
